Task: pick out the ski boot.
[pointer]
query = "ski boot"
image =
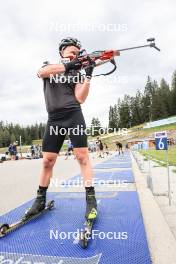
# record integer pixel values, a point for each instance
(91, 215)
(38, 205)
(6, 228)
(91, 205)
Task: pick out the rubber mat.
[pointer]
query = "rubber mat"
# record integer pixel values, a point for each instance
(117, 160)
(112, 165)
(41, 240)
(121, 156)
(104, 178)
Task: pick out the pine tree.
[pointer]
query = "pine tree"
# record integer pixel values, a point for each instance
(124, 112)
(12, 138)
(95, 126)
(173, 94)
(165, 93)
(113, 117)
(158, 107)
(137, 116)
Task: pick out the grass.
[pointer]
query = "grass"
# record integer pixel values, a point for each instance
(37, 142)
(160, 155)
(163, 127)
(146, 132)
(110, 141)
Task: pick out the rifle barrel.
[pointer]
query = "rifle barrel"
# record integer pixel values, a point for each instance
(137, 47)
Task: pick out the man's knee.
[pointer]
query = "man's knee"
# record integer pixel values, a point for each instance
(82, 158)
(48, 163)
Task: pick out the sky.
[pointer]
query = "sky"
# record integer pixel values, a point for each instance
(30, 33)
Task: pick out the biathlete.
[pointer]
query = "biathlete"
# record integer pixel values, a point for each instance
(63, 103)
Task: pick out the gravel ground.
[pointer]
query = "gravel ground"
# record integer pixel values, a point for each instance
(159, 186)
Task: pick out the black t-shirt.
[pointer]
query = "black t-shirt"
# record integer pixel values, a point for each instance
(59, 92)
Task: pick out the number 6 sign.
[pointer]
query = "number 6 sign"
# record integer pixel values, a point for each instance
(161, 140)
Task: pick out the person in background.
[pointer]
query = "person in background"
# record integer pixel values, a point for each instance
(126, 147)
(119, 147)
(106, 149)
(10, 150)
(100, 148)
(37, 150)
(15, 151)
(32, 151)
(69, 149)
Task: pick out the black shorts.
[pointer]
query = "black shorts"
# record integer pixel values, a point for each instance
(101, 147)
(69, 122)
(70, 149)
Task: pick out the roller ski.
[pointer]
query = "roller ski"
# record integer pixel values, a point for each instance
(38, 208)
(91, 215)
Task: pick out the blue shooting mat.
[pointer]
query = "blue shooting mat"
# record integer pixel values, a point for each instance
(103, 178)
(119, 219)
(117, 165)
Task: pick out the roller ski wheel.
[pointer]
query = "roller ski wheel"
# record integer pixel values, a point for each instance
(50, 205)
(83, 239)
(6, 228)
(3, 229)
(85, 235)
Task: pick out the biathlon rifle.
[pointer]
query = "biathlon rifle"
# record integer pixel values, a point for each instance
(103, 56)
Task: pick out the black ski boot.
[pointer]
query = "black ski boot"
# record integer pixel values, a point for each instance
(91, 204)
(38, 205)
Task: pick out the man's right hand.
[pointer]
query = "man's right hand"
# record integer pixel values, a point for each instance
(72, 65)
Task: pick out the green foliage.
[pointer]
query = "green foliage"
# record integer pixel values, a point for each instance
(160, 155)
(95, 127)
(155, 102)
(173, 92)
(9, 133)
(113, 117)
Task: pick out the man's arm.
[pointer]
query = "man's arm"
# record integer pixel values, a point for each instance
(82, 90)
(53, 69)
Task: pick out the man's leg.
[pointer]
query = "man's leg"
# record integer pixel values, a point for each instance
(82, 156)
(79, 143)
(102, 154)
(51, 146)
(49, 160)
